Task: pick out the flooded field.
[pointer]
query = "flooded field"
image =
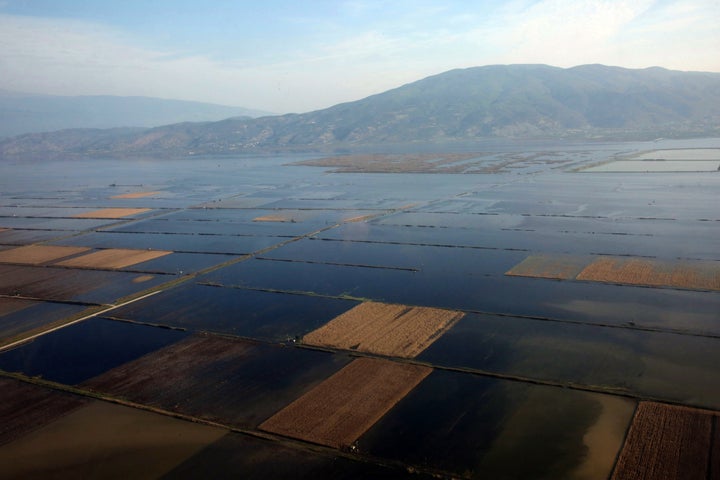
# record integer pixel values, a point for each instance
(511, 311)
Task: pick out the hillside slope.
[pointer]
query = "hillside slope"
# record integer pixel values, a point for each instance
(459, 105)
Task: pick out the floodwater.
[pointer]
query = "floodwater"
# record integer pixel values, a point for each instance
(205, 344)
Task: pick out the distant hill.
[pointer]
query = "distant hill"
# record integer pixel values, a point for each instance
(26, 113)
(588, 101)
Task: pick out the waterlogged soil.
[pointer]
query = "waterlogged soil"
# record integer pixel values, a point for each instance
(19, 316)
(468, 286)
(187, 243)
(245, 313)
(103, 440)
(397, 242)
(85, 349)
(479, 427)
(224, 380)
(25, 407)
(241, 456)
(65, 284)
(671, 367)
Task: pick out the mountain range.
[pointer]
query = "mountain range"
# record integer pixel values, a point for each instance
(517, 101)
(28, 113)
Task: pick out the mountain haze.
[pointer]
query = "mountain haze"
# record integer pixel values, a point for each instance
(588, 101)
(26, 113)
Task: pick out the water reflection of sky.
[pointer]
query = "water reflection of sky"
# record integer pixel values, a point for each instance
(537, 369)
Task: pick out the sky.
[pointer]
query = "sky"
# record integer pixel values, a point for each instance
(286, 56)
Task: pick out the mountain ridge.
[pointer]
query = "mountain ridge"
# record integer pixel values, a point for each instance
(22, 113)
(460, 105)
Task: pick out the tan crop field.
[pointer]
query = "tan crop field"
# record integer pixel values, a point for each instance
(385, 329)
(112, 213)
(135, 195)
(346, 405)
(273, 218)
(691, 275)
(667, 442)
(696, 275)
(561, 267)
(114, 258)
(359, 218)
(38, 254)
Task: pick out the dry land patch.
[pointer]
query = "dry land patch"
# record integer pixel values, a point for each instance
(668, 442)
(111, 213)
(135, 195)
(690, 275)
(346, 405)
(112, 258)
(38, 254)
(385, 329)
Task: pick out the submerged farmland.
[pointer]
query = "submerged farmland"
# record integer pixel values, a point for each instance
(523, 311)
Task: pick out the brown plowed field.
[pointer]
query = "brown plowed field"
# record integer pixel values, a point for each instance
(37, 254)
(698, 276)
(112, 213)
(666, 442)
(562, 267)
(225, 380)
(135, 195)
(385, 329)
(343, 407)
(114, 258)
(25, 407)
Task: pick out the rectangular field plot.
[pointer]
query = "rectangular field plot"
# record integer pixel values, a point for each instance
(656, 166)
(104, 440)
(667, 441)
(187, 243)
(384, 329)
(532, 240)
(12, 236)
(692, 275)
(343, 407)
(81, 351)
(466, 287)
(230, 381)
(682, 154)
(666, 366)
(197, 228)
(477, 427)
(113, 258)
(561, 267)
(25, 407)
(64, 284)
(243, 456)
(22, 317)
(134, 195)
(112, 213)
(38, 254)
(240, 312)
(657, 273)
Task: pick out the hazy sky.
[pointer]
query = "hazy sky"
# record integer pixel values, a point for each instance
(291, 55)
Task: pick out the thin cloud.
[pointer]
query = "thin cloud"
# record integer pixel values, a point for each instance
(355, 50)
